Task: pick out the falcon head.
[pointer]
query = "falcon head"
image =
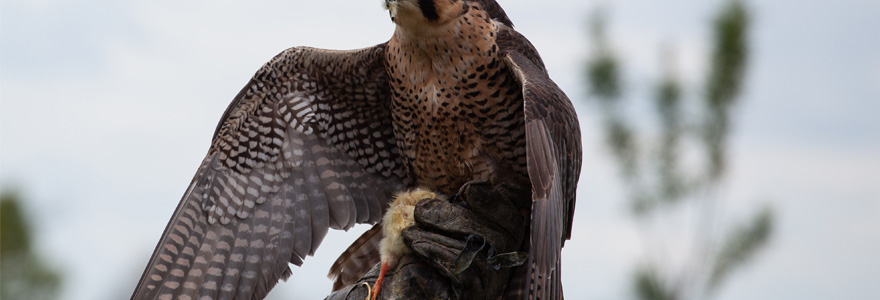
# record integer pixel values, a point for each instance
(411, 13)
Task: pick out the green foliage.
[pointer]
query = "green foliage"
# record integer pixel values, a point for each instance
(602, 69)
(654, 173)
(729, 60)
(603, 73)
(620, 138)
(741, 245)
(23, 275)
(729, 56)
(649, 285)
(13, 229)
(671, 185)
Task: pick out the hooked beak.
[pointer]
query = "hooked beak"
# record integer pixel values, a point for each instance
(391, 7)
(387, 4)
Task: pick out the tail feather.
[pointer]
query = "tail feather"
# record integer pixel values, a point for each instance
(358, 259)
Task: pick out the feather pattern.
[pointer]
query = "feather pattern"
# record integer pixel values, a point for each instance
(307, 145)
(554, 160)
(321, 139)
(495, 11)
(358, 259)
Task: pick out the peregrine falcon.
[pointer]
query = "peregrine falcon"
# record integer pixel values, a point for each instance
(323, 139)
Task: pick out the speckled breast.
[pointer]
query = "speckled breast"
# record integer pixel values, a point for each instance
(457, 117)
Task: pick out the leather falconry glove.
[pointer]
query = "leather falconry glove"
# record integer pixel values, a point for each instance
(464, 249)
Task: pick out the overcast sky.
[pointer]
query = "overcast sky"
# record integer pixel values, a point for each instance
(107, 108)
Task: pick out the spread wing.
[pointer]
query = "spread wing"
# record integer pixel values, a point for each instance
(553, 150)
(307, 145)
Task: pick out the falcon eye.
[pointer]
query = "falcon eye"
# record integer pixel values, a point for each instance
(429, 10)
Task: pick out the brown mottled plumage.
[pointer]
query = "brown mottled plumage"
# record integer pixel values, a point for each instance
(321, 139)
(457, 108)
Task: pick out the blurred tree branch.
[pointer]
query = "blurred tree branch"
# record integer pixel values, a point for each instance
(652, 167)
(741, 245)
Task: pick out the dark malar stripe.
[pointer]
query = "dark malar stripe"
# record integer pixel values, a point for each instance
(429, 10)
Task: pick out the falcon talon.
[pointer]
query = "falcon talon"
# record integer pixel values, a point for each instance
(369, 290)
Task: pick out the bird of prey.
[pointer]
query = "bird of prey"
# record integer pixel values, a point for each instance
(322, 139)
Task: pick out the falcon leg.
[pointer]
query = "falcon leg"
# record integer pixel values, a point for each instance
(374, 292)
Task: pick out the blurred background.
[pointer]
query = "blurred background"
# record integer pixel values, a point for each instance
(731, 148)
